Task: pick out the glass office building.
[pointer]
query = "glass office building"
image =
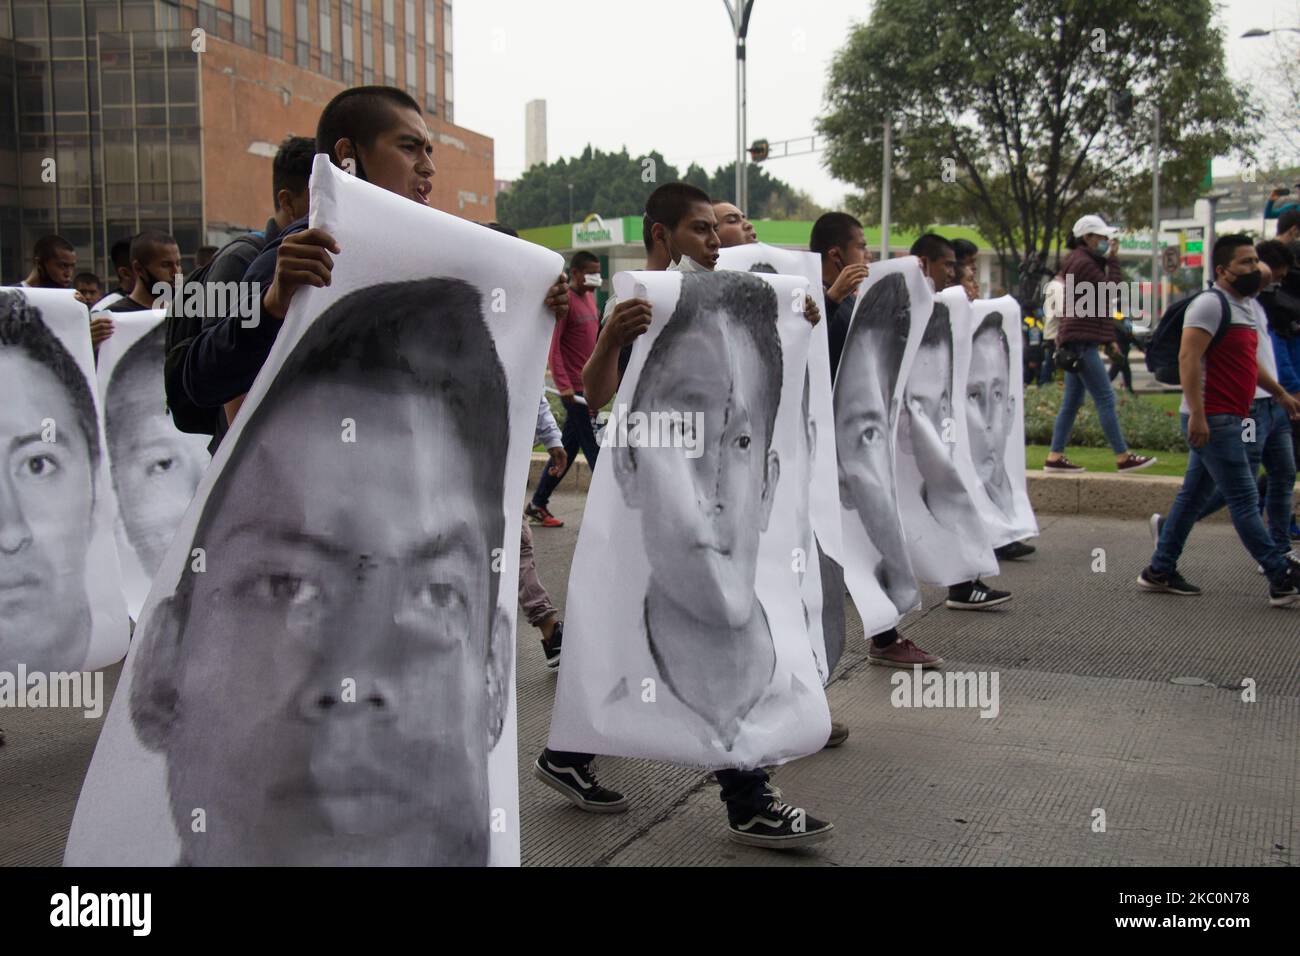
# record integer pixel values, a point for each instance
(101, 103)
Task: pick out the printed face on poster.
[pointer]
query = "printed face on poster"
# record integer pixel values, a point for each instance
(323, 673)
(61, 605)
(882, 341)
(696, 651)
(155, 467)
(814, 473)
(995, 419)
(945, 535)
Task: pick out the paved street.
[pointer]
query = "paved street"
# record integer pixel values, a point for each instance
(1090, 719)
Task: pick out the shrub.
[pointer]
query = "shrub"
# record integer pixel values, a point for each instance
(1143, 422)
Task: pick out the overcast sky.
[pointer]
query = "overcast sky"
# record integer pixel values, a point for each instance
(596, 65)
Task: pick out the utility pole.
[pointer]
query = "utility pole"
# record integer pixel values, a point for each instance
(1155, 220)
(739, 12)
(886, 175)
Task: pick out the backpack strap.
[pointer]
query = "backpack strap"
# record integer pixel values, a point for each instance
(1225, 318)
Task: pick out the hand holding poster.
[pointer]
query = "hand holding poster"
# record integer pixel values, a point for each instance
(323, 673)
(814, 474)
(995, 419)
(61, 604)
(155, 466)
(694, 650)
(945, 535)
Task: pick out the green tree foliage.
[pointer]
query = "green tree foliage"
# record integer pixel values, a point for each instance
(1017, 117)
(617, 184)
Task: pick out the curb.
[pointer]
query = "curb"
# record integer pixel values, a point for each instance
(1106, 496)
(1103, 495)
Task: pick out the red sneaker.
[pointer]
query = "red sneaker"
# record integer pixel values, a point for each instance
(539, 515)
(901, 653)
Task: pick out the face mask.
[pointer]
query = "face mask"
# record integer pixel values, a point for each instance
(686, 264)
(1103, 247)
(1248, 283)
(593, 280)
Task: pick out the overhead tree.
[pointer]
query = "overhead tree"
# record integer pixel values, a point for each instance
(617, 184)
(1016, 118)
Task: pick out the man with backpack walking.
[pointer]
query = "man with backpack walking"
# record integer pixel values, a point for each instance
(1219, 372)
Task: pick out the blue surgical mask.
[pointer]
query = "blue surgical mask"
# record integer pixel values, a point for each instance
(1103, 247)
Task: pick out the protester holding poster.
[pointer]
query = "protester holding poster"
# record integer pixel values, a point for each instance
(361, 680)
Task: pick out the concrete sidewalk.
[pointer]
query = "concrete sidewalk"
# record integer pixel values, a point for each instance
(1089, 720)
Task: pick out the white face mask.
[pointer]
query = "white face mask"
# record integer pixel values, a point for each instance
(686, 264)
(593, 280)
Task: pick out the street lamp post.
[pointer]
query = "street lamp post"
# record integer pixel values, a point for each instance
(1155, 219)
(570, 202)
(886, 177)
(739, 12)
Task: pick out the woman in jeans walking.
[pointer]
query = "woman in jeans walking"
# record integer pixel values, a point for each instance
(1086, 324)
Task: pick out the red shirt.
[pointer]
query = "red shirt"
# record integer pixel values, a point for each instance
(574, 340)
(1231, 372)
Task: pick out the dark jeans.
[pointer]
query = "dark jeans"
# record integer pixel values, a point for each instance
(1272, 448)
(1048, 367)
(1221, 462)
(744, 792)
(575, 433)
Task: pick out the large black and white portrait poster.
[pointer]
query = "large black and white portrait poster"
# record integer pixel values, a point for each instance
(155, 466)
(323, 672)
(945, 535)
(995, 420)
(822, 584)
(685, 636)
(61, 607)
(884, 335)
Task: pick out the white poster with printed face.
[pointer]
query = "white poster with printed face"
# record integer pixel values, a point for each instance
(323, 672)
(995, 420)
(155, 466)
(884, 334)
(685, 636)
(61, 607)
(822, 586)
(945, 535)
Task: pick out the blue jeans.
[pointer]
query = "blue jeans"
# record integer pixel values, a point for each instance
(576, 433)
(1091, 376)
(1272, 448)
(1221, 462)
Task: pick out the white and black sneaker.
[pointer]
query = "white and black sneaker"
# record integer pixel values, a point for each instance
(1286, 593)
(779, 826)
(579, 786)
(551, 648)
(1171, 583)
(975, 596)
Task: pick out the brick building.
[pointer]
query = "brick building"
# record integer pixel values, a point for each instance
(122, 115)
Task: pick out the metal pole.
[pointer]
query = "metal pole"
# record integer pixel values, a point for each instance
(739, 14)
(744, 132)
(1155, 220)
(886, 175)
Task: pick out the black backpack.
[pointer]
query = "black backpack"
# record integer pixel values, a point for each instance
(1162, 350)
(181, 331)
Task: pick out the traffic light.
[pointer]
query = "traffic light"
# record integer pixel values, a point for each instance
(758, 152)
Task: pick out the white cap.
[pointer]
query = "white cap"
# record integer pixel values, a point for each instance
(1087, 225)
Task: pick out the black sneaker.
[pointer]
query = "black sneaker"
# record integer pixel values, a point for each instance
(1062, 466)
(579, 786)
(1014, 551)
(1171, 583)
(551, 648)
(779, 826)
(975, 596)
(1288, 592)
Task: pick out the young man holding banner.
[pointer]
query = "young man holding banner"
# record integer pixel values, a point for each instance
(681, 226)
(375, 132)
